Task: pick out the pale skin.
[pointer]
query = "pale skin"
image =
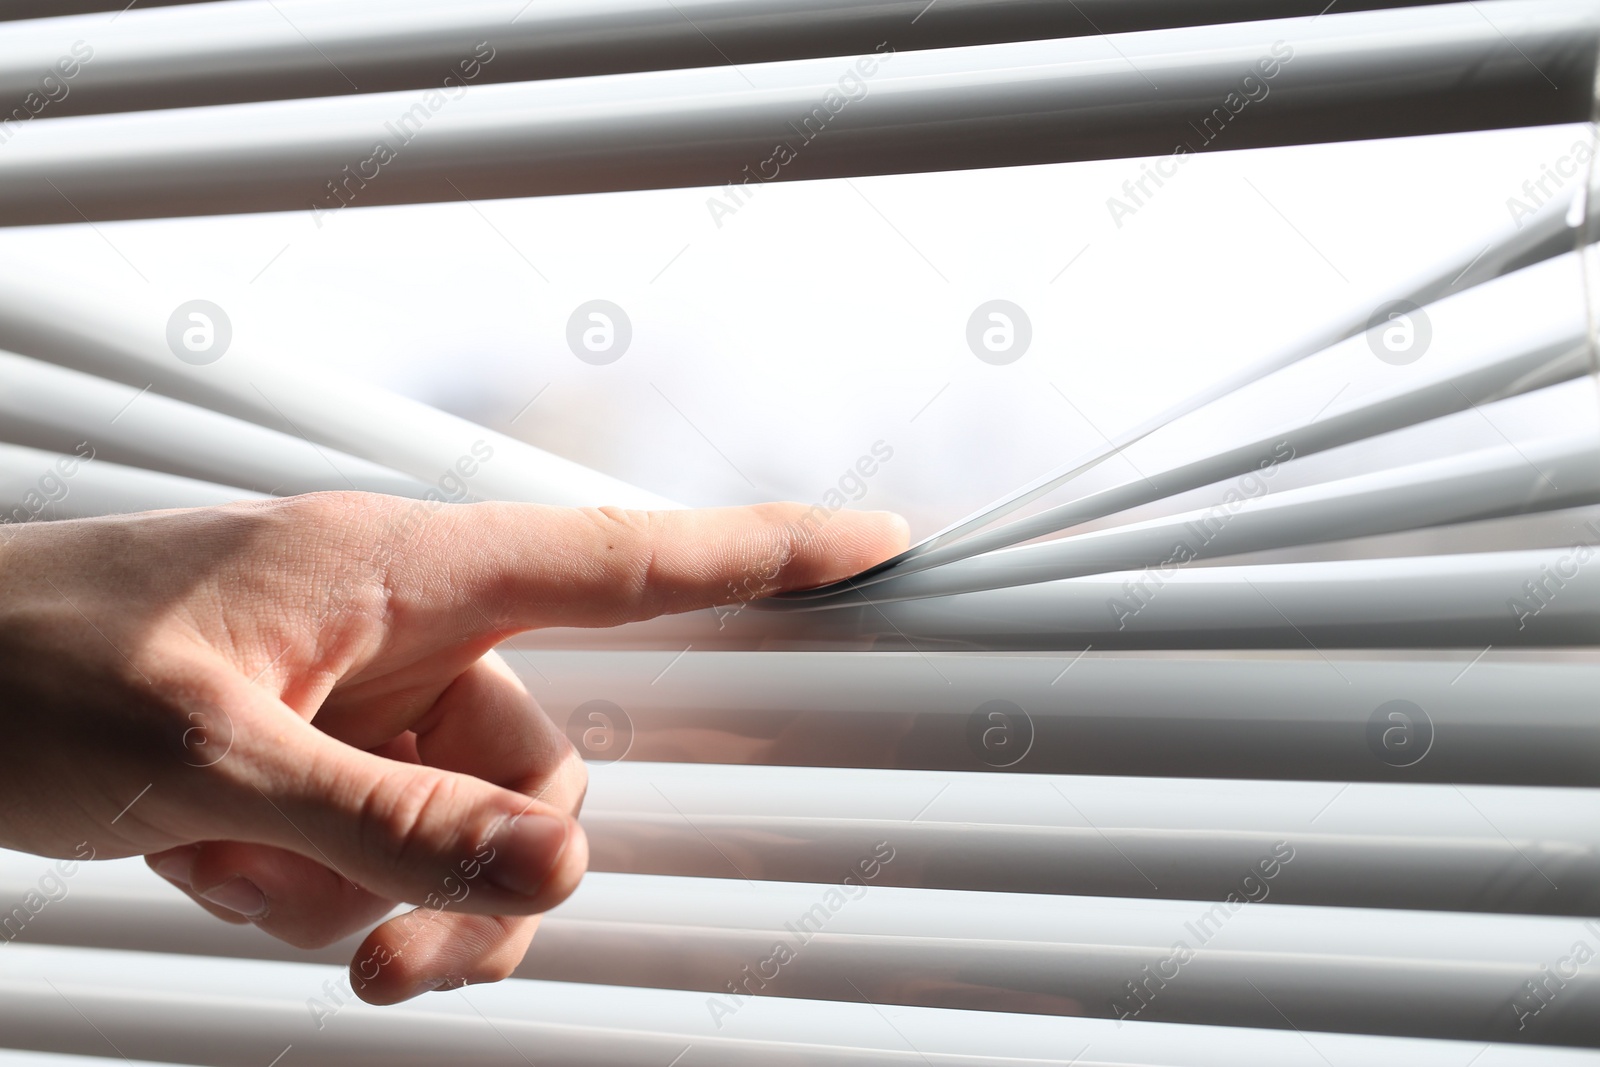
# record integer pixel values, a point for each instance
(306, 692)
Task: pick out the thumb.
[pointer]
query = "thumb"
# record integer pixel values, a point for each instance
(414, 833)
(528, 566)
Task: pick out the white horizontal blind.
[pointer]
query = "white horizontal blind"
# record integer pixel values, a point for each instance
(1057, 773)
(1429, 69)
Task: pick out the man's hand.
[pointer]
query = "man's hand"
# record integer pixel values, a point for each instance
(293, 710)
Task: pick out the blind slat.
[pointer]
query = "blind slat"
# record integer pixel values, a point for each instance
(44, 406)
(37, 9)
(1495, 717)
(227, 1014)
(1345, 970)
(1476, 600)
(233, 52)
(35, 484)
(1523, 850)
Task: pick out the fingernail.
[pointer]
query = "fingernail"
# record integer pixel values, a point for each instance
(176, 867)
(240, 895)
(527, 850)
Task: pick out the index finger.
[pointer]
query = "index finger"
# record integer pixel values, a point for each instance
(527, 566)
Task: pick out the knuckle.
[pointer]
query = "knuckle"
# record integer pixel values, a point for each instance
(330, 527)
(404, 816)
(321, 509)
(620, 519)
(628, 559)
(623, 530)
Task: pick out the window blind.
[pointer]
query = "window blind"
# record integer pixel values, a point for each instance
(1393, 72)
(1062, 752)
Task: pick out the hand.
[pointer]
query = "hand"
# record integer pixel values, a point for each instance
(292, 708)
